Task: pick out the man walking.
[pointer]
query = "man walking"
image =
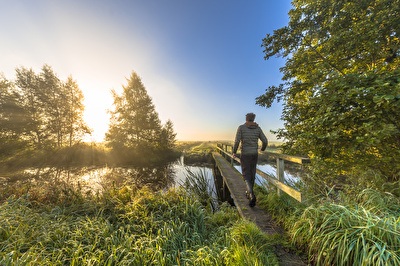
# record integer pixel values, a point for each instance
(248, 135)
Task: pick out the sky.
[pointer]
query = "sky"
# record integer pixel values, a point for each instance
(201, 61)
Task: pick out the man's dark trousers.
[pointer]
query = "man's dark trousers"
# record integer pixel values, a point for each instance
(249, 166)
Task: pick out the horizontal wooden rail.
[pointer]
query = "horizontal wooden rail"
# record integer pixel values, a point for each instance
(289, 158)
(227, 152)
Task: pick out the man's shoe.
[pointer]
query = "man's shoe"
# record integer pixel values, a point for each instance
(247, 195)
(252, 201)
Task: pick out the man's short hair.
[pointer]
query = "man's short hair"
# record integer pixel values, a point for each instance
(250, 117)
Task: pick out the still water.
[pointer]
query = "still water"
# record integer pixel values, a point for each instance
(95, 180)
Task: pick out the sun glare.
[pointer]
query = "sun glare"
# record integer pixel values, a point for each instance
(96, 116)
(98, 123)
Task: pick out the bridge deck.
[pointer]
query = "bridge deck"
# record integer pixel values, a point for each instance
(235, 183)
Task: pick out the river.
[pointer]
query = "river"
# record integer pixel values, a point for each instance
(95, 179)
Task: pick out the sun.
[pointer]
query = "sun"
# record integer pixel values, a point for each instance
(96, 115)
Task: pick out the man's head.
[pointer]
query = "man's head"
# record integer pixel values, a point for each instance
(250, 117)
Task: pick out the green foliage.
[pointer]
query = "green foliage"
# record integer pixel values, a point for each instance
(198, 185)
(167, 139)
(363, 230)
(125, 226)
(250, 246)
(348, 235)
(379, 203)
(342, 86)
(135, 127)
(197, 152)
(284, 209)
(196, 146)
(12, 120)
(40, 111)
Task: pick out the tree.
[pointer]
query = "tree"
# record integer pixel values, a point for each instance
(135, 124)
(53, 109)
(31, 101)
(12, 119)
(167, 136)
(74, 125)
(53, 102)
(12, 116)
(341, 87)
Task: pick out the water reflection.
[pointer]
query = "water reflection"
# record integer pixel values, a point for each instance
(94, 180)
(158, 178)
(292, 178)
(181, 170)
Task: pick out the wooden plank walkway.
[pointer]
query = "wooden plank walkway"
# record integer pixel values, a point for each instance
(237, 188)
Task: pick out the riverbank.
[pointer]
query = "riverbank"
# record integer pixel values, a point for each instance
(127, 226)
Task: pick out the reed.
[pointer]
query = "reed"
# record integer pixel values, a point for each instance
(380, 203)
(361, 230)
(347, 235)
(127, 226)
(199, 185)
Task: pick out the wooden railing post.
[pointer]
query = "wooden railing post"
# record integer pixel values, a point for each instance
(280, 171)
(231, 154)
(225, 150)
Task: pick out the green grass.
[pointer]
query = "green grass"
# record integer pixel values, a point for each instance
(126, 226)
(196, 147)
(348, 235)
(363, 229)
(251, 247)
(197, 184)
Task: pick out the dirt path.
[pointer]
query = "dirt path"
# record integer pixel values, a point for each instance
(260, 217)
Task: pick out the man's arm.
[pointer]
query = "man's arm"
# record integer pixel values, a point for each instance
(237, 140)
(264, 140)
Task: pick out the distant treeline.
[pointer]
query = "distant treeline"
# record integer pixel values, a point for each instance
(41, 114)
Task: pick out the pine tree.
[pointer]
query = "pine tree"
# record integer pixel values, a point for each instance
(167, 136)
(134, 124)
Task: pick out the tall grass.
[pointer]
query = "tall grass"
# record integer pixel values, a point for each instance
(362, 230)
(252, 247)
(127, 226)
(346, 235)
(199, 185)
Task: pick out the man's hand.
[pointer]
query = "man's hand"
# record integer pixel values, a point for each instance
(234, 155)
(264, 146)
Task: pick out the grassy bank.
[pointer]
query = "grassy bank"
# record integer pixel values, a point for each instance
(126, 226)
(362, 229)
(196, 152)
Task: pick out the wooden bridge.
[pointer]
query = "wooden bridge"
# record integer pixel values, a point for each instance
(233, 187)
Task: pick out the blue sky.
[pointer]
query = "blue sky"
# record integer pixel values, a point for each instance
(200, 61)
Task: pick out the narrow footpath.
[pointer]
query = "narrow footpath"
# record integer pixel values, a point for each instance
(234, 181)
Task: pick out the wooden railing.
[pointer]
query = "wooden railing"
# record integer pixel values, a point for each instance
(278, 182)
